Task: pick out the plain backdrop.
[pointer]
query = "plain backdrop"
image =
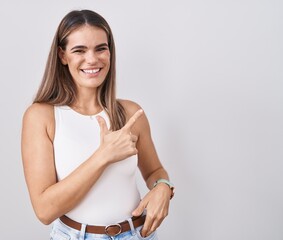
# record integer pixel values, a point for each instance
(209, 75)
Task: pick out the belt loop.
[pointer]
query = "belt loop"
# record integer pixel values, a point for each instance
(82, 232)
(130, 221)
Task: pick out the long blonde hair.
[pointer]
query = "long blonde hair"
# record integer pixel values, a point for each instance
(57, 86)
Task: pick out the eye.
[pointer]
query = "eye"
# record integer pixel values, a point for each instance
(78, 51)
(102, 49)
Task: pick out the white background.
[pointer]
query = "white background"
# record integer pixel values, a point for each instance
(209, 76)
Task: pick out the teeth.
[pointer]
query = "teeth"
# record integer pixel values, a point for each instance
(91, 70)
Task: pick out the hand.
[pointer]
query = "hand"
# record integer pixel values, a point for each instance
(156, 203)
(120, 144)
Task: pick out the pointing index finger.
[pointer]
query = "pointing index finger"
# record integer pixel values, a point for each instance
(132, 120)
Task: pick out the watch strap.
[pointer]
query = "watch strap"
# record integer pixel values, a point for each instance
(167, 182)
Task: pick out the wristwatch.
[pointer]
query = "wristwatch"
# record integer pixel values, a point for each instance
(168, 183)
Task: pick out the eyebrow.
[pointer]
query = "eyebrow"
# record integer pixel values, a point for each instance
(101, 45)
(84, 47)
(78, 47)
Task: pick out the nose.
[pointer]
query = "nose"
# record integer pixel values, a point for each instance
(91, 57)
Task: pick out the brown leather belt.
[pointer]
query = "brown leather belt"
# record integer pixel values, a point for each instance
(110, 230)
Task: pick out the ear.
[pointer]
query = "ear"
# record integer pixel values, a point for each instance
(61, 54)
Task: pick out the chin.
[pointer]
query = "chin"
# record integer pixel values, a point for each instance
(91, 84)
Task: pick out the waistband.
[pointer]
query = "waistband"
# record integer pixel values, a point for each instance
(110, 230)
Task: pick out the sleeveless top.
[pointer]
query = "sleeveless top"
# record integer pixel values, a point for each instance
(114, 195)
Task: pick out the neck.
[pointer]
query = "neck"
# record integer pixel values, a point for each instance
(86, 102)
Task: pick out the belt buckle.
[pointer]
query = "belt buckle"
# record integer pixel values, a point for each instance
(117, 225)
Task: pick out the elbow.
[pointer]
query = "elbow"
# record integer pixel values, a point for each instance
(45, 221)
(44, 216)
(45, 210)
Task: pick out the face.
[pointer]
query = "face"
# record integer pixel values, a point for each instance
(87, 56)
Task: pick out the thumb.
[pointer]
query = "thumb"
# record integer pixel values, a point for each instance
(103, 127)
(139, 210)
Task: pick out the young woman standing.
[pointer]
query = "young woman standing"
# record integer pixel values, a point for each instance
(81, 146)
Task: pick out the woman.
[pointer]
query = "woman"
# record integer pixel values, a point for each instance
(81, 146)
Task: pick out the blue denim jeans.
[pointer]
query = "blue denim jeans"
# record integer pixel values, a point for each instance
(60, 231)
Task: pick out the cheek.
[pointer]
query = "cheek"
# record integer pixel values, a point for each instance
(74, 63)
(106, 57)
(73, 68)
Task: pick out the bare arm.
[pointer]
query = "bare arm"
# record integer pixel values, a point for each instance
(52, 199)
(157, 200)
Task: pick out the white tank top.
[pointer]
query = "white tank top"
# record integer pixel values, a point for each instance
(115, 195)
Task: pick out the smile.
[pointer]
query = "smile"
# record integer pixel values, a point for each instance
(91, 71)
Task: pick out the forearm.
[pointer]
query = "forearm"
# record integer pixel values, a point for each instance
(63, 196)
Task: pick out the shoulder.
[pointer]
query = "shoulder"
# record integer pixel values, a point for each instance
(129, 106)
(38, 111)
(39, 117)
(142, 124)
